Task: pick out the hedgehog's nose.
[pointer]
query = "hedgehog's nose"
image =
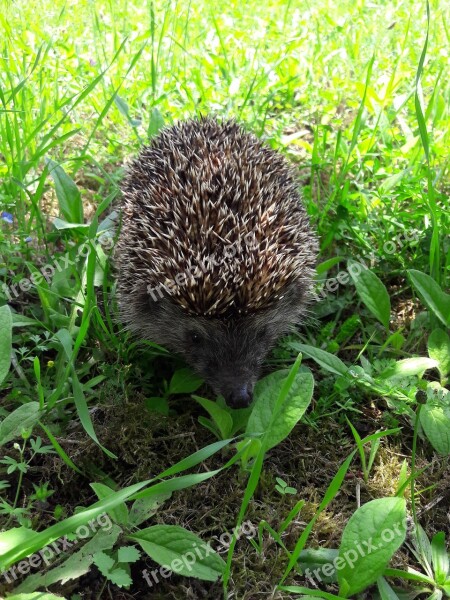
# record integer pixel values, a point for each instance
(240, 397)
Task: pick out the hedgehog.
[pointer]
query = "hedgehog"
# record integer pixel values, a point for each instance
(216, 255)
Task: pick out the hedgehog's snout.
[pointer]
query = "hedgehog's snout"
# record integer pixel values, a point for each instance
(235, 386)
(241, 397)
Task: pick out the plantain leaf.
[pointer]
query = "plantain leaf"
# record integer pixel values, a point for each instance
(222, 419)
(20, 419)
(432, 295)
(181, 551)
(435, 420)
(370, 538)
(69, 197)
(372, 291)
(416, 365)
(439, 350)
(325, 359)
(289, 413)
(184, 381)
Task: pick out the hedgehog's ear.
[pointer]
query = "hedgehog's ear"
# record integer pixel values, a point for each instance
(145, 297)
(289, 307)
(151, 299)
(138, 307)
(145, 316)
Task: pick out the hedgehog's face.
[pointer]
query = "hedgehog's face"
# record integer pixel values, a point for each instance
(227, 353)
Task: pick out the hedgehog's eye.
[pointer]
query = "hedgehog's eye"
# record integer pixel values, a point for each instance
(195, 338)
(261, 333)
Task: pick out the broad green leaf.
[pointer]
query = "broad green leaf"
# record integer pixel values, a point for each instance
(184, 381)
(440, 557)
(287, 383)
(21, 418)
(409, 366)
(439, 350)
(5, 341)
(69, 197)
(274, 381)
(432, 295)
(372, 291)
(240, 418)
(328, 361)
(372, 535)
(291, 411)
(435, 420)
(221, 417)
(70, 524)
(181, 551)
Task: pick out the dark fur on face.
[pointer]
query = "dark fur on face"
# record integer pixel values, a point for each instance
(215, 256)
(227, 353)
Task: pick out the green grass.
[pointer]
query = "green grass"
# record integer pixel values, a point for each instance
(357, 95)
